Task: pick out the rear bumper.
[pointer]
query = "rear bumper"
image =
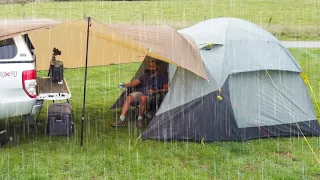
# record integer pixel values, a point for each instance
(20, 108)
(37, 107)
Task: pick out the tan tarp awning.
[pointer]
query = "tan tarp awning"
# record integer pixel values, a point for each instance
(108, 44)
(11, 28)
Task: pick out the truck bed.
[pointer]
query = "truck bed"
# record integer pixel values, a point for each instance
(48, 90)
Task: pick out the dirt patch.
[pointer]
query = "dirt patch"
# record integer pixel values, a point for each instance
(248, 167)
(286, 154)
(17, 1)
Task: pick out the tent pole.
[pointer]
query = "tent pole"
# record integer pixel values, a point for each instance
(85, 84)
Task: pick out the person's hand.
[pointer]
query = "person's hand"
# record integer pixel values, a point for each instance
(121, 85)
(150, 91)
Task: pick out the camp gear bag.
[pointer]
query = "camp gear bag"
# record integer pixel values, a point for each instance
(56, 71)
(4, 138)
(60, 120)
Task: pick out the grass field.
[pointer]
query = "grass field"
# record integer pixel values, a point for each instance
(110, 153)
(291, 19)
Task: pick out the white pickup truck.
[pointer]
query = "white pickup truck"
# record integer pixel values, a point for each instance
(21, 93)
(18, 78)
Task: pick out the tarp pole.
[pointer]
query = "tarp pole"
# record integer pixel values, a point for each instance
(85, 84)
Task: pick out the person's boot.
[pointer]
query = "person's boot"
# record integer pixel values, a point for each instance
(118, 123)
(139, 124)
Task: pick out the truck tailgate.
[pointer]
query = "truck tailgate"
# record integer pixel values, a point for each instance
(48, 90)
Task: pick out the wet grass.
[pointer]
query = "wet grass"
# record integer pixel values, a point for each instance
(292, 20)
(309, 60)
(110, 153)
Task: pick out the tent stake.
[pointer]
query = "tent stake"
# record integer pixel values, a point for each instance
(85, 84)
(270, 21)
(142, 18)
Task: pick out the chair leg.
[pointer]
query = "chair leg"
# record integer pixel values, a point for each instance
(137, 112)
(133, 113)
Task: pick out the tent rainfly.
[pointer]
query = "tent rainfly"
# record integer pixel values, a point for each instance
(255, 89)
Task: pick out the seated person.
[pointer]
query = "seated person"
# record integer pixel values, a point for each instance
(149, 85)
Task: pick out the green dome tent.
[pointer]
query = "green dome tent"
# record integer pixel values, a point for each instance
(254, 89)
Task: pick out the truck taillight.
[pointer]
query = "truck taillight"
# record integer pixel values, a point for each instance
(29, 82)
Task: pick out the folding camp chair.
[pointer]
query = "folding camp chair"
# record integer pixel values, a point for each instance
(152, 105)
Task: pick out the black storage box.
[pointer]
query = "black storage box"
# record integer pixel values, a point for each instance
(4, 138)
(56, 71)
(60, 120)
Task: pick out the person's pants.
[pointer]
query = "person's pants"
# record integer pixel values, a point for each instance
(137, 96)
